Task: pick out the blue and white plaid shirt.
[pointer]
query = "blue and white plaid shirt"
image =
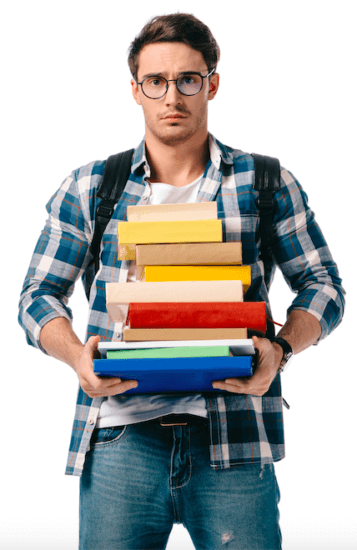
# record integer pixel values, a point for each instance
(243, 428)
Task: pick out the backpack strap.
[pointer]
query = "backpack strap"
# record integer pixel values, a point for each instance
(267, 181)
(116, 174)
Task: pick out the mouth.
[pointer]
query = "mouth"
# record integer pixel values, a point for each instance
(174, 116)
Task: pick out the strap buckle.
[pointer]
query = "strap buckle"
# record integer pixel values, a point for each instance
(265, 201)
(104, 212)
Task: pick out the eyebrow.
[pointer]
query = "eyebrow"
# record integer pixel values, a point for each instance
(179, 74)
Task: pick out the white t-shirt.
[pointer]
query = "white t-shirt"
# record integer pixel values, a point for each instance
(129, 409)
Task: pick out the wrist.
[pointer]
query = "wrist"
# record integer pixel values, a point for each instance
(59, 341)
(76, 356)
(278, 353)
(286, 354)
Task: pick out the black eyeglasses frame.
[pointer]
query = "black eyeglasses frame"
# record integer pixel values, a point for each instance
(211, 71)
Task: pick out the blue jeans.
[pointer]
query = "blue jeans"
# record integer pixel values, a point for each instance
(139, 480)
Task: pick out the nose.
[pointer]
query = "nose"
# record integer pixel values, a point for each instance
(172, 94)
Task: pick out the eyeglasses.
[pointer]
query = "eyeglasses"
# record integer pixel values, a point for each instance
(188, 83)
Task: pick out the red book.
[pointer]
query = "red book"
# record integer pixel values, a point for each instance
(251, 315)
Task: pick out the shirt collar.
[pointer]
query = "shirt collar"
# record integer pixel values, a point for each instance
(218, 153)
(139, 159)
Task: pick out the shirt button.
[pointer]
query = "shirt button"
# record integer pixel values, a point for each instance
(90, 421)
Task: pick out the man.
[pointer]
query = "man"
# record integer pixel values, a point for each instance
(211, 466)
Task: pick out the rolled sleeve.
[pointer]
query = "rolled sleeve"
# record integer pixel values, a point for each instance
(301, 252)
(59, 259)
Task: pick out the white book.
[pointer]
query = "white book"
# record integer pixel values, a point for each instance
(238, 347)
(119, 294)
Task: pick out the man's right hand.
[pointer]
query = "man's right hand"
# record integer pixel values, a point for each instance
(58, 340)
(93, 385)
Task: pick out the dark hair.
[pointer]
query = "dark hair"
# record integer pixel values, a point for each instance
(177, 27)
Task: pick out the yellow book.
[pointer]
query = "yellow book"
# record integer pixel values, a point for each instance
(170, 232)
(172, 212)
(157, 273)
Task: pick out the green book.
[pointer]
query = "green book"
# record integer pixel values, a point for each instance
(170, 353)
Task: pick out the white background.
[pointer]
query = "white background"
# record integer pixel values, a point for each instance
(288, 90)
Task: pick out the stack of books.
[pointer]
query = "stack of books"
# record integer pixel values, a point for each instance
(186, 319)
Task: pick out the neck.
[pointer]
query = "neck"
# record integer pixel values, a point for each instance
(178, 164)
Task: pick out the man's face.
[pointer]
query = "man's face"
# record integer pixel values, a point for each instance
(175, 117)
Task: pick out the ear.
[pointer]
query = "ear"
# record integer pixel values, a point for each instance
(135, 91)
(213, 85)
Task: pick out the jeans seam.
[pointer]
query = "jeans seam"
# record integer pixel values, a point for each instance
(190, 467)
(172, 490)
(277, 499)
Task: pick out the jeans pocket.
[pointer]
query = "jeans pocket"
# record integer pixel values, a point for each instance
(104, 436)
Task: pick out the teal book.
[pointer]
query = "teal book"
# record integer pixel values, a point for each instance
(170, 353)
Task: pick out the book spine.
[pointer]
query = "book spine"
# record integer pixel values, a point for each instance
(131, 367)
(181, 291)
(178, 334)
(189, 254)
(251, 315)
(172, 212)
(161, 273)
(170, 232)
(157, 353)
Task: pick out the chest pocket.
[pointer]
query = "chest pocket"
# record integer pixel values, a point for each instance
(242, 227)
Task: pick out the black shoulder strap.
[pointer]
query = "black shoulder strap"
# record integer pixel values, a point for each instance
(116, 174)
(267, 181)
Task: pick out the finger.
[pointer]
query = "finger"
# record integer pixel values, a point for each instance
(115, 389)
(228, 387)
(241, 385)
(110, 381)
(119, 388)
(261, 344)
(258, 342)
(128, 385)
(99, 383)
(253, 390)
(231, 381)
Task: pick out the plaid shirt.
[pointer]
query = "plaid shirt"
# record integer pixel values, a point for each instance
(243, 428)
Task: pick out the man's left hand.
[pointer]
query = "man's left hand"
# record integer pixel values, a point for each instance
(269, 359)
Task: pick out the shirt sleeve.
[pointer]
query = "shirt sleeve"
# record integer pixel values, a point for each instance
(301, 252)
(60, 257)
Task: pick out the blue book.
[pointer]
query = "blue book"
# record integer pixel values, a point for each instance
(175, 374)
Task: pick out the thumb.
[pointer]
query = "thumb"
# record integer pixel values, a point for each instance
(261, 344)
(256, 341)
(91, 345)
